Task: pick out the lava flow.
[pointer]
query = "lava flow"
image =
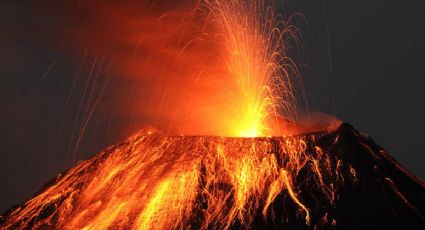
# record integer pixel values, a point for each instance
(252, 172)
(338, 179)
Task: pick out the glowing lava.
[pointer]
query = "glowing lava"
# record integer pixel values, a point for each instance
(314, 181)
(158, 182)
(259, 93)
(228, 179)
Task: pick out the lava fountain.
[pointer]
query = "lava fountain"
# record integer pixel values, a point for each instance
(251, 172)
(259, 94)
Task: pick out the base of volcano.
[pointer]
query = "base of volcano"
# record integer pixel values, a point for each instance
(335, 179)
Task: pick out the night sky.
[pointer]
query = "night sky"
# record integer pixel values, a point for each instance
(367, 68)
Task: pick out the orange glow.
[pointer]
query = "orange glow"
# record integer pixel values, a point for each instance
(258, 90)
(230, 78)
(208, 67)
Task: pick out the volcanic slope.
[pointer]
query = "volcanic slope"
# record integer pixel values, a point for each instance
(339, 179)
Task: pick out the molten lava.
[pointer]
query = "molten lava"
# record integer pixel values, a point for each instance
(249, 169)
(322, 180)
(259, 94)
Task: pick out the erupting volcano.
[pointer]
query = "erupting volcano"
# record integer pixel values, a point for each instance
(239, 157)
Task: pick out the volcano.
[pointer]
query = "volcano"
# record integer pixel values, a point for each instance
(331, 179)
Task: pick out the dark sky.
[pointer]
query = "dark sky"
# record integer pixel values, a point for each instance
(369, 72)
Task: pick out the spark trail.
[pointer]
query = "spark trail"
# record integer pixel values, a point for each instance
(259, 98)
